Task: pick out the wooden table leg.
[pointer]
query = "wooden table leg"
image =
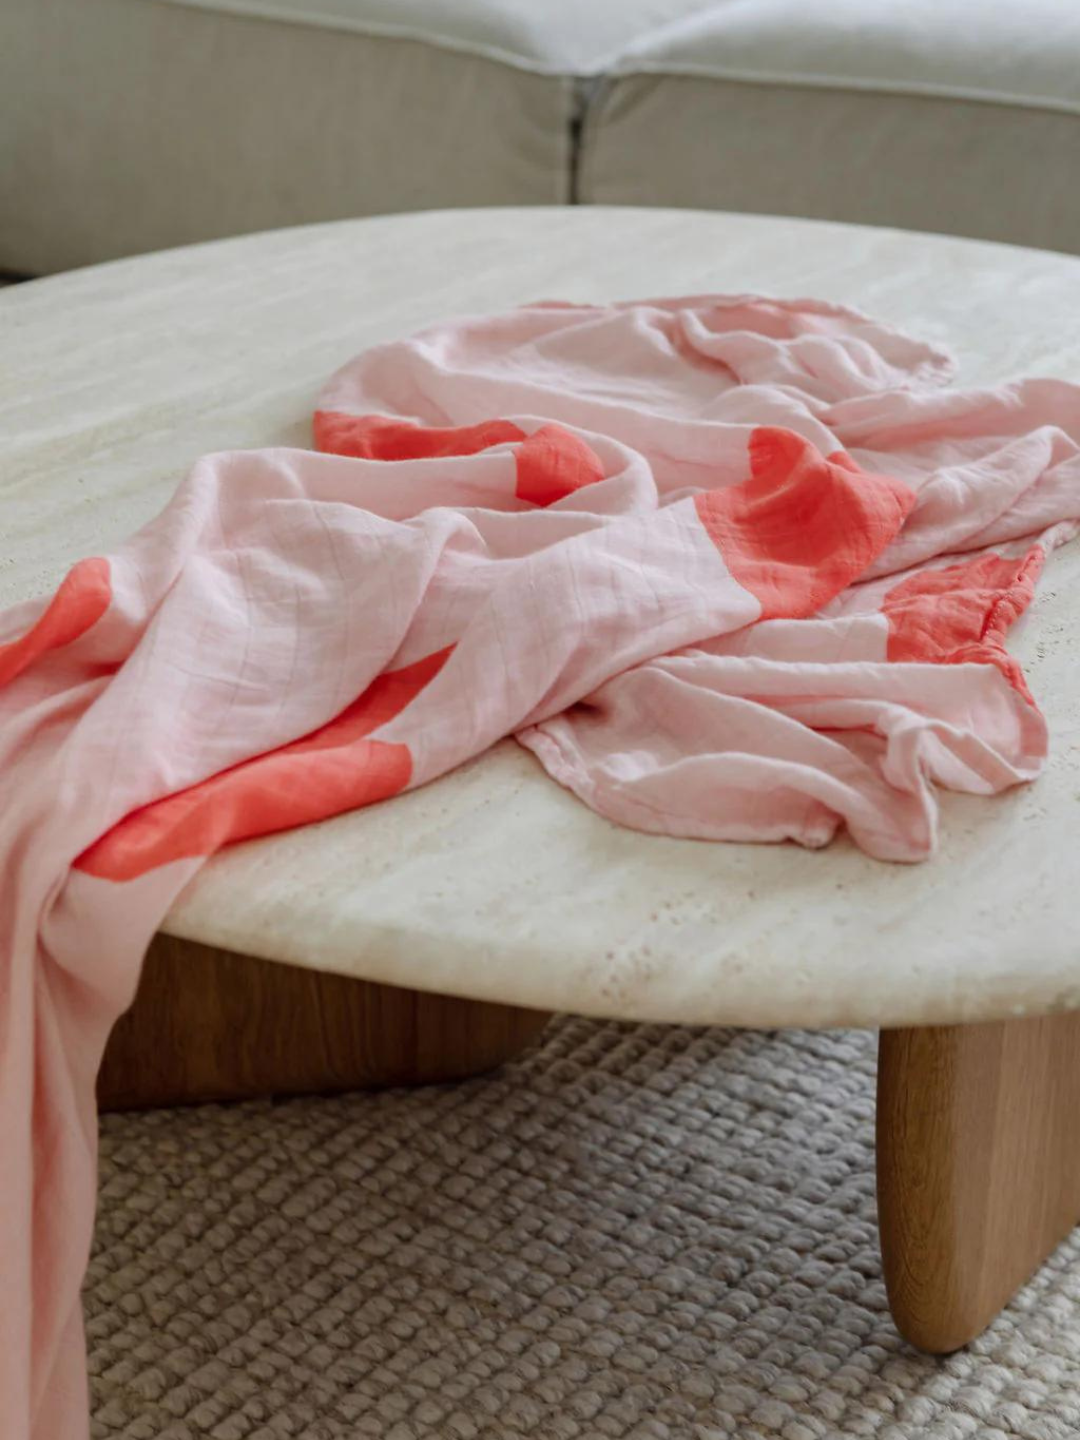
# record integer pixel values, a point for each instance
(978, 1166)
(208, 1024)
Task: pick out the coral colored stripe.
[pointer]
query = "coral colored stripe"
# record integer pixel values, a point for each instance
(334, 769)
(962, 613)
(552, 463)
(803, 526)
(374, 437)
(84, 594)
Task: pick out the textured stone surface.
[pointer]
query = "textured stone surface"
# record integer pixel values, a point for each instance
(493, 882)
(645, 1233)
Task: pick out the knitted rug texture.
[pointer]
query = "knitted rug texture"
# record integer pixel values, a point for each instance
(634, 1232)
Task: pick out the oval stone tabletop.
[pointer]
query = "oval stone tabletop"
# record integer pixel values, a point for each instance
(493, 883)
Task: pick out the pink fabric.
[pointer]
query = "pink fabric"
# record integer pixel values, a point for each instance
(731, 568)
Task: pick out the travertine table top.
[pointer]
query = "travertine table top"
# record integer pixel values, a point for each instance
(493, 882)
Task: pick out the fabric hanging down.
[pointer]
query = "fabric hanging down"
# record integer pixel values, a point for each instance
(731, 567)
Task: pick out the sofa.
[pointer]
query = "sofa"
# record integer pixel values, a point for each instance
(132, 125)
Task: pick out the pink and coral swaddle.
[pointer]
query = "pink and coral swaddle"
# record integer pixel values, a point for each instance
(731, 568)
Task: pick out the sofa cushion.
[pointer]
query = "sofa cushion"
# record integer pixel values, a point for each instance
(561, 37)
(129, 125)
(951, 115)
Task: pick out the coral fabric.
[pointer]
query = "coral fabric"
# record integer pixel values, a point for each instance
(962, 613)
(732, 568)
(335, 768)
(552, 464)
(82, 599)
(373, 437)
(791, 542)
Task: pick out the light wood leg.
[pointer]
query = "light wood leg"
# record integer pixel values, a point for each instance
(978, 1166)
(208, 1024)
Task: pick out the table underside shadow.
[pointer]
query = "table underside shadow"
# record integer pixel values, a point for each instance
(978, 1152)
(209, 1024)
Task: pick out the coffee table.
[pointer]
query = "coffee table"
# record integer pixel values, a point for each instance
(430, 937)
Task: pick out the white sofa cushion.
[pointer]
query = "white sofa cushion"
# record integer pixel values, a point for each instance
(129, 125)
(1022, 54)
(954, 115)
(550, 37)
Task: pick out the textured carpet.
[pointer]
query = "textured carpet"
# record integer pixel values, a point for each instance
(634, 1232)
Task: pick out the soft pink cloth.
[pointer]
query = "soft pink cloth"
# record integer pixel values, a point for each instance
(731, 568)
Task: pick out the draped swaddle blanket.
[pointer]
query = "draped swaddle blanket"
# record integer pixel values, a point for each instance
(731, 568)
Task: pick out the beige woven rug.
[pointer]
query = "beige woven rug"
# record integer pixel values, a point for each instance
(642, 1233)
